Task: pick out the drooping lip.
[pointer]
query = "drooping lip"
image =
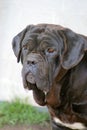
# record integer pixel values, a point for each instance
(31, 86)
(34, 86)
(30, 78)
(31, 83)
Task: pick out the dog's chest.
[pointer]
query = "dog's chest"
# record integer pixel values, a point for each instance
(73, 126)
(66, 118)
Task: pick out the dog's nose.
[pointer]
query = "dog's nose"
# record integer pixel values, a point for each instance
(33, 59)
(31, 62)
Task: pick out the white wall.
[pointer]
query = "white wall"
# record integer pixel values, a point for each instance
(16, 15)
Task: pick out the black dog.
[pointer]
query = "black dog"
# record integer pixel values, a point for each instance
(54, 62)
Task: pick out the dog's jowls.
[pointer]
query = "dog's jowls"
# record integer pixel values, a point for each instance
(54, 62)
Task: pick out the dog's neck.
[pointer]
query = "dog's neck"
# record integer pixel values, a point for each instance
(53, 96)
(61, 74)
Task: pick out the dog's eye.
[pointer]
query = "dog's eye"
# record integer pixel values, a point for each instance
(24, 50)
(25, 47)
(50, 50)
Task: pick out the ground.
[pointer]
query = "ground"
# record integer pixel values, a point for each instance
(23, 127)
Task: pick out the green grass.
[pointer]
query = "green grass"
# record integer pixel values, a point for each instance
(20, 113)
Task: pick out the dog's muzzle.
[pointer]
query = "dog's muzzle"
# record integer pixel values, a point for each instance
(30, 78)
(35, 72)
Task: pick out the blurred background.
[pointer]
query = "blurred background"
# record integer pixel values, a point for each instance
(15, 15)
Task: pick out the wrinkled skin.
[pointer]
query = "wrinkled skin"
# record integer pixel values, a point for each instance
(42, 60)
(53, 61)
(41, 65)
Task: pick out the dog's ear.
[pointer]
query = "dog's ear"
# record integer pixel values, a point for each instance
(75, 47)
(17, 42)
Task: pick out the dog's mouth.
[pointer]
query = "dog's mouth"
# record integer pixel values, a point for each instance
(30, 86)
(32, 83)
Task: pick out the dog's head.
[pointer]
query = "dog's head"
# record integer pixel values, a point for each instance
(43, 50)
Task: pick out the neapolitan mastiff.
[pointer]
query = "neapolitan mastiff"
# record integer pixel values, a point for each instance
(54, 62)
